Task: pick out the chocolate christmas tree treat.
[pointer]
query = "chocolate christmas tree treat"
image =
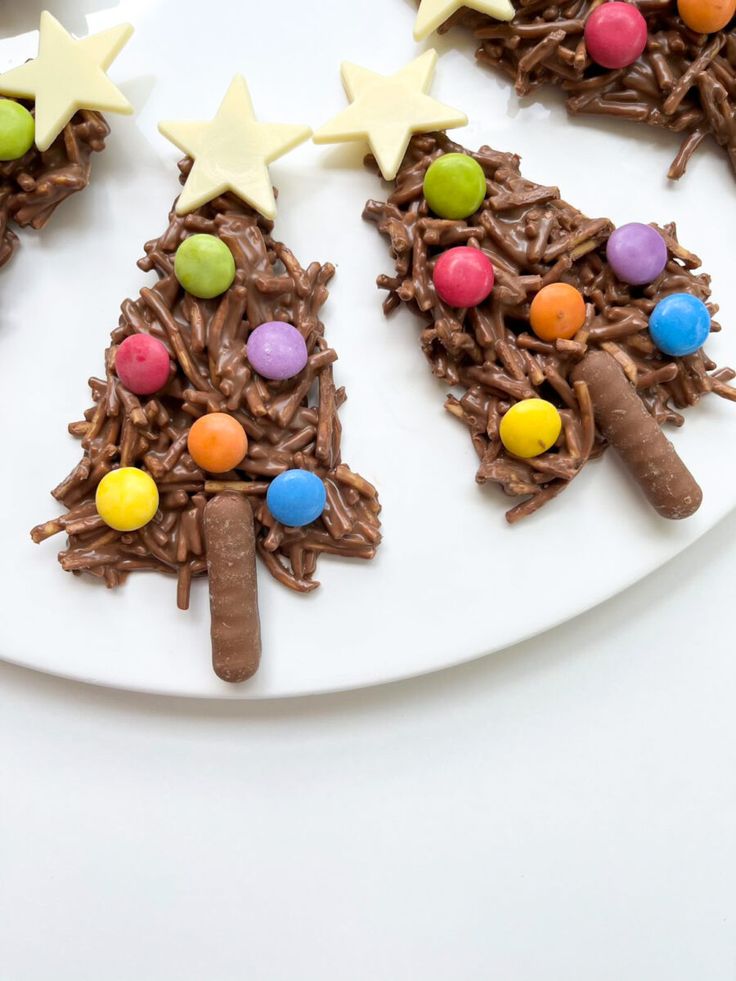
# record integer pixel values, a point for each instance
(214, 434)
(520, 293)
(52, 125)
(579, 337)
(665, 63)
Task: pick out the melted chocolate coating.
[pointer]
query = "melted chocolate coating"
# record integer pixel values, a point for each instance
(290, 424)
(684, 81)
(489, 352)
(33, 186)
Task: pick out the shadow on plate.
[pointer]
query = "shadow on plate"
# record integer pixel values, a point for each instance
(21, 16)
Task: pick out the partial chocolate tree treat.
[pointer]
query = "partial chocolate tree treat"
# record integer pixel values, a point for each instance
(33, 186)
(50, 123)
(683, 80)
(556, 299)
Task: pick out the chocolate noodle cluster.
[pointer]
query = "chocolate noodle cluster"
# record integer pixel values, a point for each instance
(685, 82)
(32, 187)
(489, 352)
(290, 424)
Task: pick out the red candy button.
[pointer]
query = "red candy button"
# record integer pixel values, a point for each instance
(142, 364)
(463, 277)
(615, 34)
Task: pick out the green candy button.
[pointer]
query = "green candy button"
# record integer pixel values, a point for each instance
(204, 266)
(455, 186)
(17, 130)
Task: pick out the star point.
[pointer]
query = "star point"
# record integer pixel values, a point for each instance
(433, 13)
(68, 75)
(231, 152)
(387, 110)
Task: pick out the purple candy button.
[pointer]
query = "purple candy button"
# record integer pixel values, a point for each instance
(636, 253)
(277, 350)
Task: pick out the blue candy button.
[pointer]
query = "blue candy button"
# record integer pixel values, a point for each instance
(296, 498)
(679, 324)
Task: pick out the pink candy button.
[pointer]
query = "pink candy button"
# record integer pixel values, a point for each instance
(463, 277)
(142, 364)
(615, 34)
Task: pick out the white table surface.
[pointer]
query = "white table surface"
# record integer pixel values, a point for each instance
(562, 811)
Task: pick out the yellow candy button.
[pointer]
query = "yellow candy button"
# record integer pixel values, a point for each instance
(530, 427)
(126, 499)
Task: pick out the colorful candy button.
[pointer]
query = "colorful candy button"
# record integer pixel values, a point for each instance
(296, 498)
(463, 277)
(706, 16)
(455, 186)
(530, 427)
(126, 499)
(142, 364)
(679, 324)
(615, 34)
(637, 253)
(217, 442)
(277, 350)
(558, 310)
(204, 266)
(17, 130)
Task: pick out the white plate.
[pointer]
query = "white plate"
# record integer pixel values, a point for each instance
(453, 581)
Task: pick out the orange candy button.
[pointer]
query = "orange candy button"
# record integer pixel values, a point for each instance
(706, 16)
(217, 442)
(558, 310)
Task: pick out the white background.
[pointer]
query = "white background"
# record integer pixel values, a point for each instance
(564, 810)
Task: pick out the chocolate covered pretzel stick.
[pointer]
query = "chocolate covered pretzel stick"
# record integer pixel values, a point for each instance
(231, 566)
(642, 446)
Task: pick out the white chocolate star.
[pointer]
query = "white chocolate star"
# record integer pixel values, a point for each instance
(433, 13)
(232, 152)
(68, 75)
(386, 110)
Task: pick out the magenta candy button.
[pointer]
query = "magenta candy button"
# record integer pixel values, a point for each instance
(615, 34)
(463, 277)
(142, 364)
